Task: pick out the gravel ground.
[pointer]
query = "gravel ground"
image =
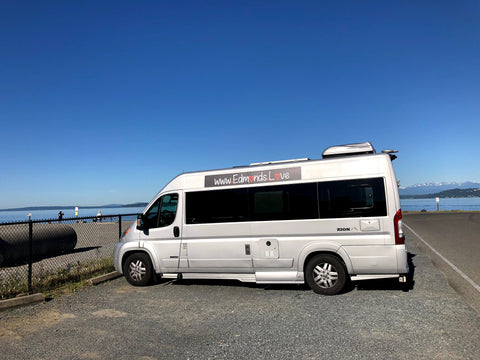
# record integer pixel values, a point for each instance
(217, 320)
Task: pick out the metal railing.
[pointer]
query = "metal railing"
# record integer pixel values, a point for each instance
(39, 255)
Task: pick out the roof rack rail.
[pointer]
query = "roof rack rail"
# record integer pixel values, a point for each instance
(279, 161)
(349, 149)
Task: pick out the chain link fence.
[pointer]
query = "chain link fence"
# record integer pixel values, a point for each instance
(36, 256)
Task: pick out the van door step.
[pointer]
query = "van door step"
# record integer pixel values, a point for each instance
(171, 275)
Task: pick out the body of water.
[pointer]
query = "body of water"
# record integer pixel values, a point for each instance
(447, 204)
(22, 215)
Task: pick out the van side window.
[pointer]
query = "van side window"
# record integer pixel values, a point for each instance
(265, 203)
(217, 206)
(163, 211)
(327, 200)
(352, 198)
(284, 202)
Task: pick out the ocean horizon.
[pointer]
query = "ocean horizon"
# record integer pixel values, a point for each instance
(68, 213)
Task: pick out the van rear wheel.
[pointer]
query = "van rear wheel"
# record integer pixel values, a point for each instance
(325, 274)
(138, 269)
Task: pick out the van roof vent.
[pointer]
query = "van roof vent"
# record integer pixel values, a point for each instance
(279, 161)
(349, 149)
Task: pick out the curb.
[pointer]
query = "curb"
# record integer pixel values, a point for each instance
(102, 278)
(21, 301)
(37, 298)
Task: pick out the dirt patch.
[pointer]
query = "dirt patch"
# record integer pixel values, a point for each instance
(129, 289)
(109, 313)
(17, 328)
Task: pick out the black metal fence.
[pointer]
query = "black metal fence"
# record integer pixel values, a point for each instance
(38, 255)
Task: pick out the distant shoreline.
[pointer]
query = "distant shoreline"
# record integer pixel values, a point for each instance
(447, 194)
(35, 208)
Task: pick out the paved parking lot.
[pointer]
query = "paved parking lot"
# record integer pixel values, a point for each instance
(452, 243)
(220, 320)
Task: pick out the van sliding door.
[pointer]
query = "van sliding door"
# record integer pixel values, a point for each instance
(275, 211)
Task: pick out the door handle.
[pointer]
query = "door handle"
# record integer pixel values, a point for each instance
(176, 231)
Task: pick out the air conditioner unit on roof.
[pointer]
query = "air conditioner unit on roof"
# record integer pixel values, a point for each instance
(349, 149)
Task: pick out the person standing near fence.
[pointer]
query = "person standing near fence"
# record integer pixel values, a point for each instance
(99, 216)
(60, 216)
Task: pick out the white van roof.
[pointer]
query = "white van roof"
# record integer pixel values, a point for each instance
(339, 161)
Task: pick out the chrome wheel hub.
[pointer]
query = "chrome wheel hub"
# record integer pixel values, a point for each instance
(137, 270)
(325, 275)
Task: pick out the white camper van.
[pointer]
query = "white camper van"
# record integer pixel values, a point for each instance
(324, 222)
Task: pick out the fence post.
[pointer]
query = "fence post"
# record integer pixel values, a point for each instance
(30, 254)
(119, 226)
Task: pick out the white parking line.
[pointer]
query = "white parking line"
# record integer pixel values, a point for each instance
(460, 272)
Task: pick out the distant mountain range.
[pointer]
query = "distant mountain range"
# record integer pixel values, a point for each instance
(432, 188)
(453, 193)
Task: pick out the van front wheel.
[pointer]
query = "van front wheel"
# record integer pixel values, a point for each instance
(325, 274)
(138, 269)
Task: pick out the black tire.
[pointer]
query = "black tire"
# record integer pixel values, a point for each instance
(326, 274)
(138, 269)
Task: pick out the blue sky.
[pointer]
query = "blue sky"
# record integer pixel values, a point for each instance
(104, 102)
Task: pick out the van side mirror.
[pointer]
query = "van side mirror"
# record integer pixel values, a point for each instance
(141, 222)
